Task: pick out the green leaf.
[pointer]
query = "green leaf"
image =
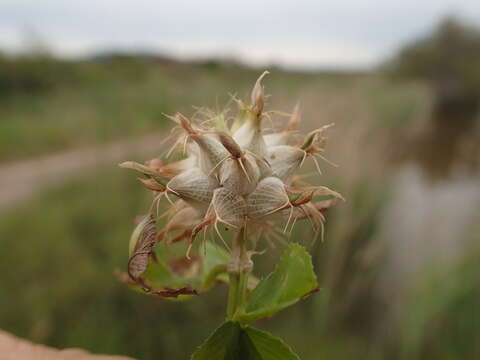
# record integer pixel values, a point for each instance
(232, 341)
(292, 280)
(170, 274)
(215, 258)
(270, 347)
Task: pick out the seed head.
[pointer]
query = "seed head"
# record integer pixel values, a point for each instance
(235, 176)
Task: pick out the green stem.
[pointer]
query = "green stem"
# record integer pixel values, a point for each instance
(232, 295)
(238, 271)
(242, 293)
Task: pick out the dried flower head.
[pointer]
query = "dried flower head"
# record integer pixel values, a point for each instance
(233, 175)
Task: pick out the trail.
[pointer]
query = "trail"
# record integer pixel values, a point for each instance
(21, 179)
(13, 348)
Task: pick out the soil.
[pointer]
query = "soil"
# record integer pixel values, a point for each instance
(20, 180)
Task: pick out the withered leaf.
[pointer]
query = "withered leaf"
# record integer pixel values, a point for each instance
(173, 293)
(138, 261)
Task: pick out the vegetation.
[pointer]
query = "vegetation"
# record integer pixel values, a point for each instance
(239, 178)
(448, 61)
(44, 101)
(60, 250)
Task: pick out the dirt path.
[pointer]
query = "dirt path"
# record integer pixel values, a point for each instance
(19, 180)
(13, 348)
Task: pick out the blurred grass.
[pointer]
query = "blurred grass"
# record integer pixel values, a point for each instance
(60, 251)
(58, 283)
(444, 321)
(48, 105)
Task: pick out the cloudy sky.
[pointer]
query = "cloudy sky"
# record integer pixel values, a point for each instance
(295, 34)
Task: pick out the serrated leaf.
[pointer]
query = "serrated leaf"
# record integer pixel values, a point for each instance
(292, 280)
(231, 341)
(270, 347)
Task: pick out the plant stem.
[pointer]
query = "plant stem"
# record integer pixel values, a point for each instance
(232, 295)
(238, 271)
(242, 292)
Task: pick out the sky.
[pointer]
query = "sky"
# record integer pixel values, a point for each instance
(299, 34)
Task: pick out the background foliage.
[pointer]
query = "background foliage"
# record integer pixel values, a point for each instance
(59, 249)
